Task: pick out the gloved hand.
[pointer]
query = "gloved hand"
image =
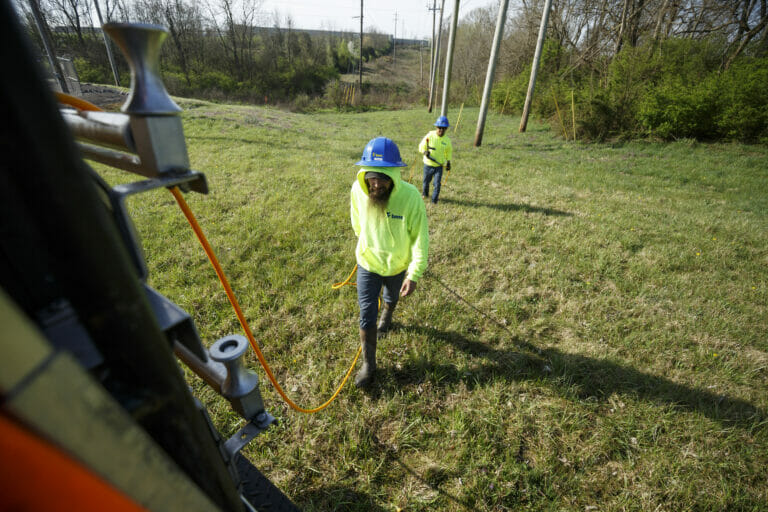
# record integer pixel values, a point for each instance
(448, 165)
(426, 153)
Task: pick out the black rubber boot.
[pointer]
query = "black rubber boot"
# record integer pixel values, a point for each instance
(386, 318)
(367, 373)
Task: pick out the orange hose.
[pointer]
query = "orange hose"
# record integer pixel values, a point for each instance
(78, 103)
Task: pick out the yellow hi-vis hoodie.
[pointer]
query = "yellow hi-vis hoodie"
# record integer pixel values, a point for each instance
(440, 148)
(395, 238)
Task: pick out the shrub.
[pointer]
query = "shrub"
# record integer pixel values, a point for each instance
(676, 109)
(744, 98)
(598, 119)
(91, 73)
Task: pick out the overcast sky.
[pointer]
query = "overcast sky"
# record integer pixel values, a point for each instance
(414, 20)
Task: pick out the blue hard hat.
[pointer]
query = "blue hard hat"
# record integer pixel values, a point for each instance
(381, 152)
(442, 122)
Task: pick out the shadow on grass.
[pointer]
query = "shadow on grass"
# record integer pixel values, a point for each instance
(508, 207)
(336, 497)
(430, 477)
(574, 376)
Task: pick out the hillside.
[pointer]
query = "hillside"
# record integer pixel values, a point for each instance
(590, 333)
(403, 79)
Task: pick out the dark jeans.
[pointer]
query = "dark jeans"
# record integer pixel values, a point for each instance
(429, 173)
(368, 288)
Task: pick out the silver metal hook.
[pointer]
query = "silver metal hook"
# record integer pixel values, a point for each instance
(140, 43)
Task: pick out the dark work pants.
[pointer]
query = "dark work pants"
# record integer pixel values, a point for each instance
(369, 286)
(432, 174)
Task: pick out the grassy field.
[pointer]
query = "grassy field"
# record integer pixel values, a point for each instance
(590, 333)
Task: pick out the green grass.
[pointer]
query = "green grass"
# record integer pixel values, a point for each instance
(590, 333)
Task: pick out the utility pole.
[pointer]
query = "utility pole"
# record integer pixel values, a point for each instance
(360, 84)
(449, 57)
(432, 42)
(42, 27)
(421, 62)
(491, 70)
(394, 43)
(436, 60)
(107, 45)
(535, 67)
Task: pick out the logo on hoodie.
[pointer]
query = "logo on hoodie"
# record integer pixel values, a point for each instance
(391, 215)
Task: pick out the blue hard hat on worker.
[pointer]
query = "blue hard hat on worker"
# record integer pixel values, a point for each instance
(381, 152)
(442, 122)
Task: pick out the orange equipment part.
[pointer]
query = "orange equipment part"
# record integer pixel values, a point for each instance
(36, 475)
(78, 103)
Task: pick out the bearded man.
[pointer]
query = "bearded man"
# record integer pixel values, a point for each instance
(390, 221)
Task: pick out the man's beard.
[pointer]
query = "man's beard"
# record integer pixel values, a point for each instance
(378, 200)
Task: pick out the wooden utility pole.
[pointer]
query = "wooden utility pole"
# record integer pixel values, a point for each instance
(42, 27)
(535, 67)
(449, 58)
(432, 41)
(361, 50)
(436, 61)
(421, 62)
(497, 36)
(107, 45)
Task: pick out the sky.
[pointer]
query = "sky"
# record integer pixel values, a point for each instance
(414, 20)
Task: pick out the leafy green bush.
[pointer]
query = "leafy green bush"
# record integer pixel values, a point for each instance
(744, 101)
(216, 80)
(598, 119)
(509, 96)
(92, 73)
(676, 90)
(692, 101)
(676, 108)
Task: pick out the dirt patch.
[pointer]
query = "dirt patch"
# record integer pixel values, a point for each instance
(108, 98)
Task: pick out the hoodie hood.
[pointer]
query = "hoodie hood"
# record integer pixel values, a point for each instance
(392, 172)
(395, 239)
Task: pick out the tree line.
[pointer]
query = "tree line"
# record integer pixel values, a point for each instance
(220, 49)
(662, 68)
(618, 68)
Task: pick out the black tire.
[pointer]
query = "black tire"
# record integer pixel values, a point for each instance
(262, 494)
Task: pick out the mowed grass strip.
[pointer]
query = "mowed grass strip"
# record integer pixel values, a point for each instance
(590, 334)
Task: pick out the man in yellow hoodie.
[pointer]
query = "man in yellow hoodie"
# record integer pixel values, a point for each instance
(437, 150)
(390, 221)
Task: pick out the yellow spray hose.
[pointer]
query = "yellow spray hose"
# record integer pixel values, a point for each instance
(232, 300)
(345, 282)
(84, 105)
